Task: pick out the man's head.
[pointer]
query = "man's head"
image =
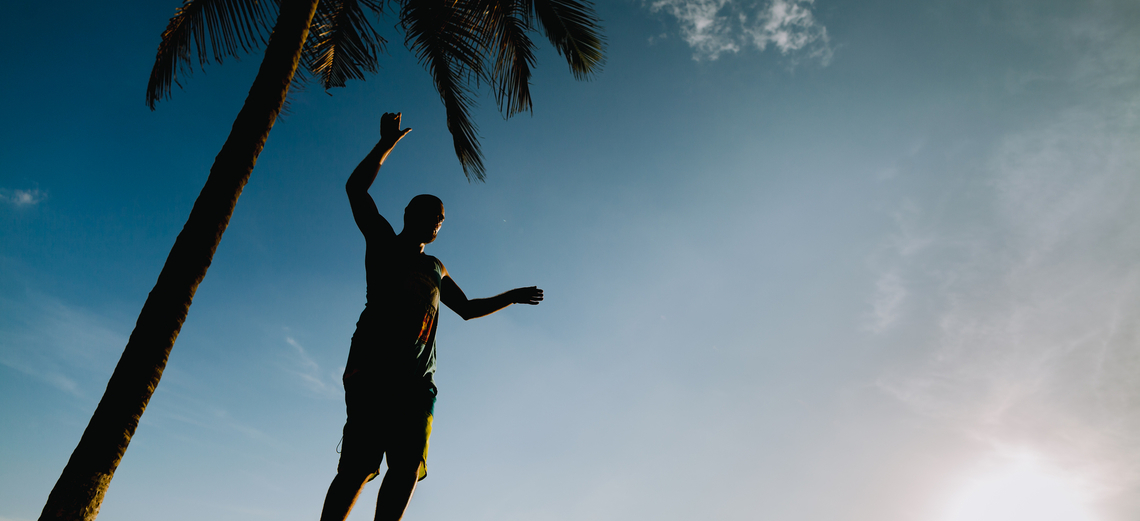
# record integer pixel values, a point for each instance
(422, 218)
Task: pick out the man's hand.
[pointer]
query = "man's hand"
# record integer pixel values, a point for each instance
(390, 132)
(529, 295)
(368, 219)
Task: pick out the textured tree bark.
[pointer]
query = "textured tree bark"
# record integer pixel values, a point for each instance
(79, 491)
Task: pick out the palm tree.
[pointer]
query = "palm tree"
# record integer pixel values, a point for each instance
(461, 43)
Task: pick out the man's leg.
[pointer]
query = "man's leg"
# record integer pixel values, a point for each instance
(345, 488)
(397, 487)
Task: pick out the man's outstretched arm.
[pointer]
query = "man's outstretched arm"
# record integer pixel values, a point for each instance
(454, 298)
(368, 218)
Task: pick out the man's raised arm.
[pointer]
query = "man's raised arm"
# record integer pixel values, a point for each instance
(454, 298)
(368, 218)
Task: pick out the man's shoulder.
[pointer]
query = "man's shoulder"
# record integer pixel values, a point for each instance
(438, 264)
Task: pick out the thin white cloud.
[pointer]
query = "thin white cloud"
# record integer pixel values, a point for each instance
(65, 346)
(1032, 289)
(21, 198)
(910, 239)
(182, 405)
(1037, 315)
(709, 33)
(891, 291)
(887, 302)
(715, 27)
(311, 375)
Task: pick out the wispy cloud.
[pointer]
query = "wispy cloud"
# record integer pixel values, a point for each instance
(21, 198)
(63, 345)
(715, 27)
(183, 406)
(1037, 307)
(1030, 288)
(886, 303)
(890, 287)
(310, 373)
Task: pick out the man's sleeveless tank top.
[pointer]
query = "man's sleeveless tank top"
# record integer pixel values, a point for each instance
(395, 336)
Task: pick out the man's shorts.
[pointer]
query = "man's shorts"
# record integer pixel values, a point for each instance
(386, 420)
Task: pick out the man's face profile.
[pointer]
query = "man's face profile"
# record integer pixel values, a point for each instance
(423, 218)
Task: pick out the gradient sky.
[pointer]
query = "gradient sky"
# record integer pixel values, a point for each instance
(822, 261)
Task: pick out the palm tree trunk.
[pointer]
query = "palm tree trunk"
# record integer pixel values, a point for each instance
(80, 489)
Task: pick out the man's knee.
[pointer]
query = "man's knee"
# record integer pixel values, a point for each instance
(356, 473)
(404, 465)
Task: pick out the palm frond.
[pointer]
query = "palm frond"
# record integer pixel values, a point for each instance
(505, 29)
(342, 44)
(574, 30)
(211, 28)
(445, 36)
(297, 88)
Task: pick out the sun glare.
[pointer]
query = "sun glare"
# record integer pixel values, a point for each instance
(1022, 490)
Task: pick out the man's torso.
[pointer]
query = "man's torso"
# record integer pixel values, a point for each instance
(395, 336)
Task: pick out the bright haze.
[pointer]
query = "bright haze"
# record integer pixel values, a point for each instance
(823, 261)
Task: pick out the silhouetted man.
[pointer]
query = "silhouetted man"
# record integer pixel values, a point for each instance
(389, 390)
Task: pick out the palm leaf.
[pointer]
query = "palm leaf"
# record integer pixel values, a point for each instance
(211, 28)
(444, 35)
(505, 34)
(342, 44)
(575, 32)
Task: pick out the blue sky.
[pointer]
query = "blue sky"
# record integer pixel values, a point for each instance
(803, 261)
